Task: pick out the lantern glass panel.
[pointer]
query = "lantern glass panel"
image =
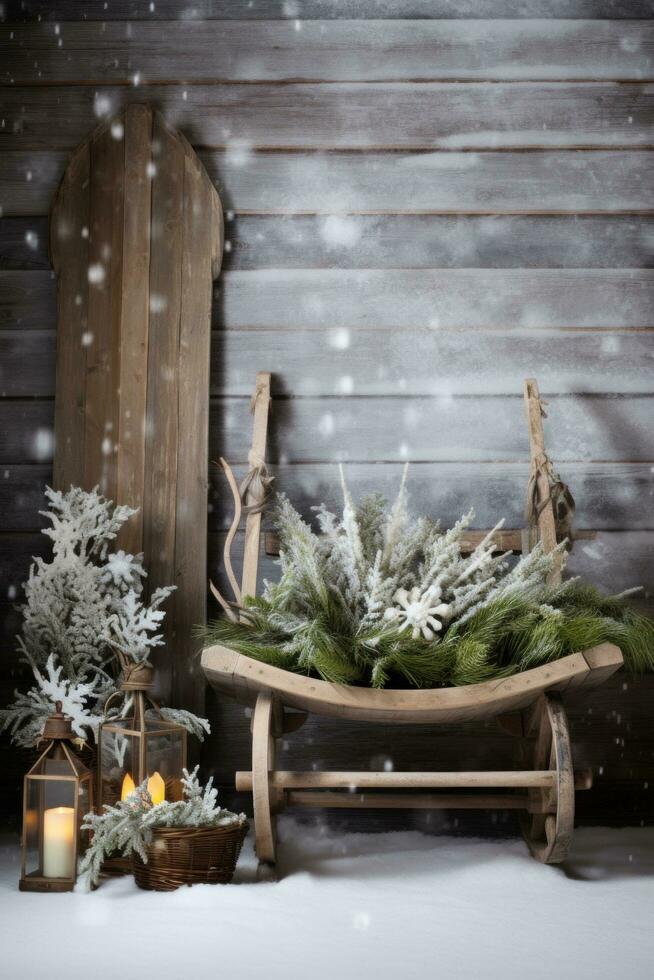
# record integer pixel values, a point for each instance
(119, 754)
(85, 805)
(50, 826)
(165, 753)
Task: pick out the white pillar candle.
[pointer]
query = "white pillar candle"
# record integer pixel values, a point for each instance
(58, 837)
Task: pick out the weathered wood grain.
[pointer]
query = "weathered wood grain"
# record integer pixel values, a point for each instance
(451, 429)
(362, 362)
(434, 362)
(23, 244)
(21, 496)
(609, 496)
(427, 116)
(201, 249)
(344, 50)
(27, 303)
(378, 429)
(396, 241)
(134, 302)
(277, 183)
(427, 241)
(132, 370)
(438, 299)
(70, 252)
(67, 10)
(104, 272)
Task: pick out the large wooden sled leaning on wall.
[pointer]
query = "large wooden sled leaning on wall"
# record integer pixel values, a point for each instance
(527, 705)
(136, 239)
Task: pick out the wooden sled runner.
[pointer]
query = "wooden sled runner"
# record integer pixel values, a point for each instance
(528, 705)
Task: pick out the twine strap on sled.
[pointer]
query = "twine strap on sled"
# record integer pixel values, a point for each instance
(250, 500)
(559, 495)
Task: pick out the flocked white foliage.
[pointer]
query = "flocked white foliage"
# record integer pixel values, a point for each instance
(26, 717)
(82, 607)
(127, 827)
(392, 570)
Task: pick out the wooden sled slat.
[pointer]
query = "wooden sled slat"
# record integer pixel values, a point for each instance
(244, 679)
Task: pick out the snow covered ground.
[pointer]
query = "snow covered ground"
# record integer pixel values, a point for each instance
(392, 905)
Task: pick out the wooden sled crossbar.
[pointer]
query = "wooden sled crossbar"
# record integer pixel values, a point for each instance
(527, 705)
(506, 539)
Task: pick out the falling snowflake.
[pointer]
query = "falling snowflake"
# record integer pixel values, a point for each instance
(96, 273)
(339, 339)
(43, 444)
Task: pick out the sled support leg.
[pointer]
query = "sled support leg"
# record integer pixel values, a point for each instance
(263, 760)
(548, 822)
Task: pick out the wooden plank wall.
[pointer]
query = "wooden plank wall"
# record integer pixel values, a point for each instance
(426, 201)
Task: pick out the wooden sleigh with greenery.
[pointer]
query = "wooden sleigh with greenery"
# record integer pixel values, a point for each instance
(528, 705)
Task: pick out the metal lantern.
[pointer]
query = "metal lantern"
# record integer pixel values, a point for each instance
(140, 745)
(57, 792)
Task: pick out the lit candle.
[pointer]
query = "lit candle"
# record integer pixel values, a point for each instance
(58, 837)
(127, 787)
(156, 788)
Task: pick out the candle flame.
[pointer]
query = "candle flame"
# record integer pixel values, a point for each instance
(128, 786)
(156, 788)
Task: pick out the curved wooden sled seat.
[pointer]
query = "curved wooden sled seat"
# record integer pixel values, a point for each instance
(527, 705)
(244, 679)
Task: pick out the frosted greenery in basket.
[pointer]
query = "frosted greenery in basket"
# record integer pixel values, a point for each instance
(127, 827)
(378, 598)
(82, 608)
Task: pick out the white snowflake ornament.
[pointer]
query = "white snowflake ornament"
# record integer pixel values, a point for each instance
(418, 611)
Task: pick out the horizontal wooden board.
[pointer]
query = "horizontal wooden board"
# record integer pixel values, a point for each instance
(383, 429)
(434, 362)
(441, 428)
(67, 10)
(21, 496)
(28, 301)
(24, 244)
(428, 116)
(609, 496)
(343, 50)
(27, 363)
(276, 182)
(364, 362)
(438, 299)
(430, 241)
(391, 241)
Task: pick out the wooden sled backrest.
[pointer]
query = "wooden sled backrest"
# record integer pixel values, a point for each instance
(519, 541)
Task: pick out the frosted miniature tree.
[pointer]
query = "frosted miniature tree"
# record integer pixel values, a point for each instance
(83, 606)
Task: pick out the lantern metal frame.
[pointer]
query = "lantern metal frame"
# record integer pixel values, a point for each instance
(137, 681)
(59, 736)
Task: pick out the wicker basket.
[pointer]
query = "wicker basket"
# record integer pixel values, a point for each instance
(190, 856)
